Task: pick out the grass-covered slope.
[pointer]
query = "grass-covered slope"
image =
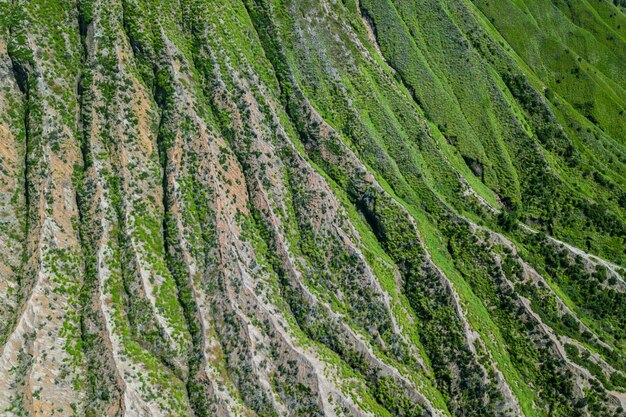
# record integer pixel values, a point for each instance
(312, 208)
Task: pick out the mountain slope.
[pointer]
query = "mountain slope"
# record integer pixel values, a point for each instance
(302, 208)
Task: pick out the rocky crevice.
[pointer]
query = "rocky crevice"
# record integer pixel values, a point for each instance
(20, 72)
(105, 385)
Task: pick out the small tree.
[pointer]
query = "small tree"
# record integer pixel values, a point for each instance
(508, 219)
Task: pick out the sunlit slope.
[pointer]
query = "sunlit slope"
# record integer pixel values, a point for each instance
(312, 208)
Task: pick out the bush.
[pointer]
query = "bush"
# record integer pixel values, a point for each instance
(508, 219)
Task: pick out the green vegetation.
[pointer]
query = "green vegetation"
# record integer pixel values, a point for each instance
(287, 207)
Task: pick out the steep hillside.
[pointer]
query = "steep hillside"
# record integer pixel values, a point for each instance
(312, 208)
